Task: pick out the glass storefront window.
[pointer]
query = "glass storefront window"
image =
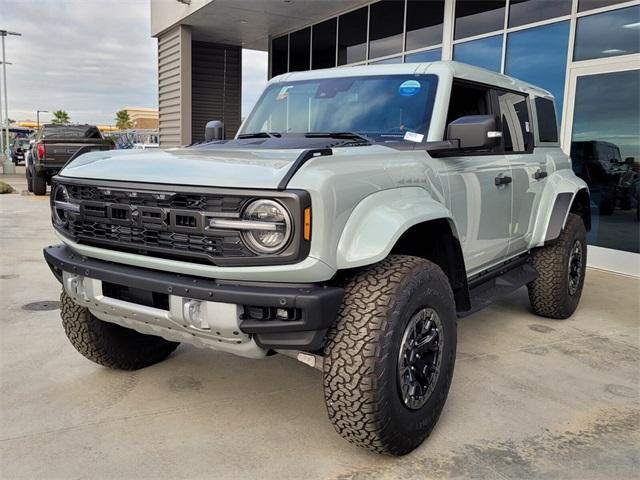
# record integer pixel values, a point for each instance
(386, 26)
(485, 52)
(352, 36)
(522, 12)
(279, 55)
(299, 53)
(591, 4)
(387, 61)
(478, 17)
(426, 56)
(424, 23)
(323, 53)
(539, 56)
(608, 34)
(605, 151)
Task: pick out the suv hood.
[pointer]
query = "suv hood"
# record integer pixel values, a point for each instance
(233, 167)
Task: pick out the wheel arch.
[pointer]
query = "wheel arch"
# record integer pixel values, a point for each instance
(407, 221)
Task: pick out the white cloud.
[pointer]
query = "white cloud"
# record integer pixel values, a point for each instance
(90, 58)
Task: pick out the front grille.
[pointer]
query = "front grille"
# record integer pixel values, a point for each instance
(158, 223)
(172, 222)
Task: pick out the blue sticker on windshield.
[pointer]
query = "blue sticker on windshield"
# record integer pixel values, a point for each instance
(409, 88)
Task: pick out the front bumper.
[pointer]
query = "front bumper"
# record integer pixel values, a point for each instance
(222, 322)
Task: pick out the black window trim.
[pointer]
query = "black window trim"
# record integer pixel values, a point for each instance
(495, 110)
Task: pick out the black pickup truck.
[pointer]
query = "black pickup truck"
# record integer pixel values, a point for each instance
(55, 145)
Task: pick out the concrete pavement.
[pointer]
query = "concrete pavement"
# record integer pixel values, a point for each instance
(531, 398)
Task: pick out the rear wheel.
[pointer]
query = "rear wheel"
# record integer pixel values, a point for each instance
(29, 179)
(109, 344)
(561, 269)
(39, 183)
(389, 359)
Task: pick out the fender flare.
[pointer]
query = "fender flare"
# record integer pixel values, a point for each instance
(380, 219)
(558, 197)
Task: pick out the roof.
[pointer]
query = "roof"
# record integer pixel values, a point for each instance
(442, 68)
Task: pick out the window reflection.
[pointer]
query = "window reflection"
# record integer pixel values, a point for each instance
(424, 23)
(539, 56)
(476, 17)
(522, 12)
(386, 25)
(485, 53)
(608, 34)
(605, 151)
(591, 4)
(426, 56)
(352, 36)
(387, 61)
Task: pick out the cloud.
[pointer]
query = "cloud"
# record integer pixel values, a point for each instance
(90, 58)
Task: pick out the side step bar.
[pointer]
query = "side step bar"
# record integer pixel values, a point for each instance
(499, 283)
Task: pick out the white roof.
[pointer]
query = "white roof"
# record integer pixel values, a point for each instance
(442, 69)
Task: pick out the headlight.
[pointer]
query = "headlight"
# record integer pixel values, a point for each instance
(270, 226)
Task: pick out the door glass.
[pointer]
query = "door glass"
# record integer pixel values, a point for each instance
(605, 151)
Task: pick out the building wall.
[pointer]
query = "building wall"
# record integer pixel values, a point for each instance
(174, 87)
(216, 75)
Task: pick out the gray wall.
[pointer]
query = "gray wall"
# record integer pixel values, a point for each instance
(216, 82)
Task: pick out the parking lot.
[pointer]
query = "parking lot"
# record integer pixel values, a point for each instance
(531, 398)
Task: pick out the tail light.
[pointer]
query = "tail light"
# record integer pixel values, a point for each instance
(41, 150)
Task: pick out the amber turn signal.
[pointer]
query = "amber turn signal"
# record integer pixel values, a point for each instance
(307, 224)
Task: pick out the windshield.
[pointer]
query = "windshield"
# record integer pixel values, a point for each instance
(383, 108)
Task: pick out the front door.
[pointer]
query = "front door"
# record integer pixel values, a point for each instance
(603, 140)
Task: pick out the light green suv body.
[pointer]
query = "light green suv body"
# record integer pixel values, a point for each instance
(476, 207)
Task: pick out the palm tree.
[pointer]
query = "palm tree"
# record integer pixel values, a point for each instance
(60, 117)
(123, 122)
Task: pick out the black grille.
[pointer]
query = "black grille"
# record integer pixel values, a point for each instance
(157, 223)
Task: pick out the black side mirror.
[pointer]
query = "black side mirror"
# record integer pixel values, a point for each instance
(475, 132)
(214, 130)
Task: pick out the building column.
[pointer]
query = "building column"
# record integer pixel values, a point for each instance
(174, 87)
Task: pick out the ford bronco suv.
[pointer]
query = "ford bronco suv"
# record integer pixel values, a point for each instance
(355, 216)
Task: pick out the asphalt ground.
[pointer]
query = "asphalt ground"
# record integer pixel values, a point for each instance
(531, 397)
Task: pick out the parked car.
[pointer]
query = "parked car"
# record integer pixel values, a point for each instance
(54, 146)
(357, 214)
(18, 150)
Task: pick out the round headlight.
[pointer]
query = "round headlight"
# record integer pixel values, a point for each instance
(272, 224)
(59, 194)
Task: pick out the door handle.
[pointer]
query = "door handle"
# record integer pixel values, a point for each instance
(539, 175)
(503, 180)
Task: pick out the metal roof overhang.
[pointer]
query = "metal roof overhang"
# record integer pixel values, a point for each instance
(250, 23)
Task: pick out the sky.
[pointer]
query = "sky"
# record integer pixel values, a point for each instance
(91, 58)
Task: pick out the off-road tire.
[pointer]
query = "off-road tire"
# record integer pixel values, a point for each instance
(39, 183)
(549, 294)
(361, 354)
(109, 344)
(29, 180)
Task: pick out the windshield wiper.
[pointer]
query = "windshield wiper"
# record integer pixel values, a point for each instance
(340, 135)
(260, 135)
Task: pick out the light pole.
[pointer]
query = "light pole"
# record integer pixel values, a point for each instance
(7, 166)
(38, 112)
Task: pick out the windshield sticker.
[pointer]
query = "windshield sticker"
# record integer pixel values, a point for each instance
(409, 88)
(284, 92)
(413, 137)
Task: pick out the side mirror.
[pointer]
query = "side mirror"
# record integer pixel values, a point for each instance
(475, 132)
(214, 130)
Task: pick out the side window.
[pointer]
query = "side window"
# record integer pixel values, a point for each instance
(514, 118)
(546, 116)
(468, 100)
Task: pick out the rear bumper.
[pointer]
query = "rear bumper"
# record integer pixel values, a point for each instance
(315, 307)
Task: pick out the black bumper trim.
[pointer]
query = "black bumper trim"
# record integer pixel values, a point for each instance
(318, 304)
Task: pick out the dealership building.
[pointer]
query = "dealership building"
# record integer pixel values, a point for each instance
(585, 52)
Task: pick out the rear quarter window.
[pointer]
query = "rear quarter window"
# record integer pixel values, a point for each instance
(546, 117)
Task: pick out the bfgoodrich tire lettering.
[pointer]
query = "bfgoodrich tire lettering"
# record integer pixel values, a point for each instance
(109, 344)
(553, 294)
(362, 353)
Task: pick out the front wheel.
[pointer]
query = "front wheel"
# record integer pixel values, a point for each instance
(109, 344)
(389, 358)
(561, 269)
